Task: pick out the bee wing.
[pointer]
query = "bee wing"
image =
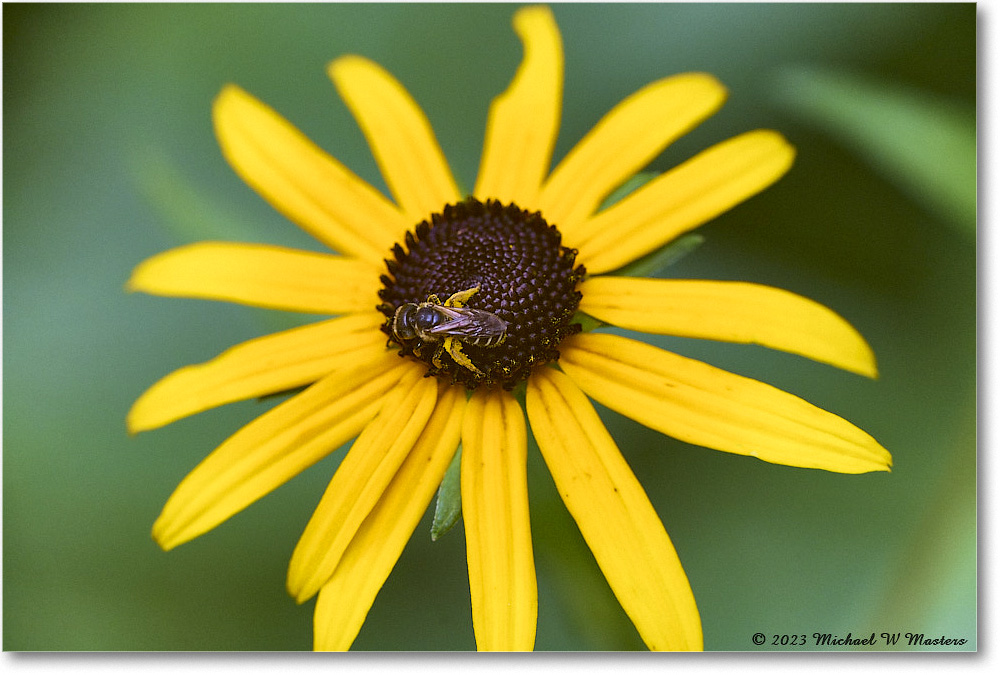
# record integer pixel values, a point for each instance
(468, 323)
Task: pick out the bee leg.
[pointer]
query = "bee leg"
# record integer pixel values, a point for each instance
(459, 299)
(418, 348)
(438, 353)
(454, 348)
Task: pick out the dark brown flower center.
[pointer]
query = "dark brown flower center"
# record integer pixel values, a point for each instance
(524, 278)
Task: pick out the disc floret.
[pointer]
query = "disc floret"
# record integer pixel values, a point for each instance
(522, 274)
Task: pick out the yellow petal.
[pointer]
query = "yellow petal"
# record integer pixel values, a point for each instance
(276, 446)
(614, 515)
(262, 276)
(633, 133)
(359, 483)
(524, 120)
(266, 365)
(300, 180)
(685, 197)
(497, 530)
(703, 405)
(344, 601)
(399, 135)
(732, 312)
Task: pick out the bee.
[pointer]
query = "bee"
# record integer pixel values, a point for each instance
(449, 323)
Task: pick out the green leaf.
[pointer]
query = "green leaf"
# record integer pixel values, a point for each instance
(663, 257)
(281, 394)
(659, 259)
(587, 322)
(188, 211)
(520, 392)
(448, 509)
(923, 143)
(628, 187)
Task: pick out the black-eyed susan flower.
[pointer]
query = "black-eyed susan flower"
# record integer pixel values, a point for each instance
(527, 251)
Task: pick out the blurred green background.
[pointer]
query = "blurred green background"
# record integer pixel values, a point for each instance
(109, 157)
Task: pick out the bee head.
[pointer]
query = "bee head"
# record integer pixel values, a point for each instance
(403, 322)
